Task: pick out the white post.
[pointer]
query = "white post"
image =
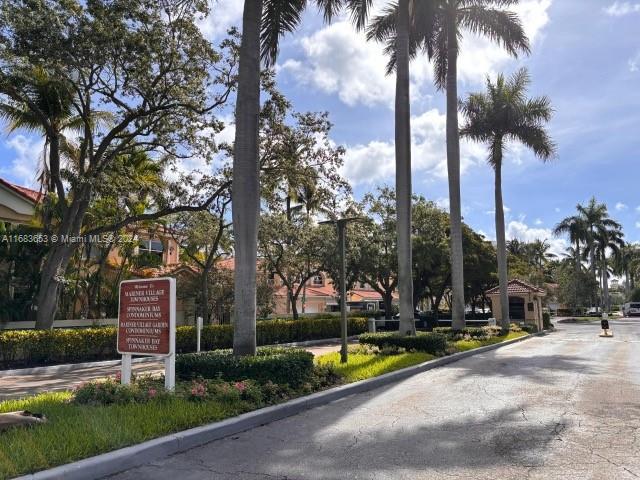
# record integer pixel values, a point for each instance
(125, 378)
(199, 330)
(170, 372)
(170, 360)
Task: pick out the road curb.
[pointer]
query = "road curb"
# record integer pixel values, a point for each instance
(117, 461)
(70, 367)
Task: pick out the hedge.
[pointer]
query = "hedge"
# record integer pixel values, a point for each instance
(434, 343)
(26, 348)
(278, 365)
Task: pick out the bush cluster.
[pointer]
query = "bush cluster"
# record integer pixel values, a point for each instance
(278, 365)
(433, 343)
(26, 348)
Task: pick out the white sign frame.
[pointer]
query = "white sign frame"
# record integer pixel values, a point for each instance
(170, 358)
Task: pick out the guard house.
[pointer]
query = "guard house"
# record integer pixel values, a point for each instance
(525, 303)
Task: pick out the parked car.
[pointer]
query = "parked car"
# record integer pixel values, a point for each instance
(631, 309)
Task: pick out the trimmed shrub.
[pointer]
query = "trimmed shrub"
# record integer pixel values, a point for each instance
(26, 348)
(476, 333)
(546, 321)
(434, 343)
(278, 365)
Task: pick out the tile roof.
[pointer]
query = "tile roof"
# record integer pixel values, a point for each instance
(31, 195)
(515, 287)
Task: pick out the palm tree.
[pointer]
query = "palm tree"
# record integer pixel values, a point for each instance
(436, 29)
(595, 217)
(606, 239)
(573, 226)
(264, 22)
(503, 114)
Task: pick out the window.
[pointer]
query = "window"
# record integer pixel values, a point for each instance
(317, 281)
(271, 280)
(150, 253)
(530, 306)
(154, 246)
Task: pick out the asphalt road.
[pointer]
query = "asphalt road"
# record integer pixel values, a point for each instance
(564, 406)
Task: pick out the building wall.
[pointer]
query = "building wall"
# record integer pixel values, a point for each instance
(533, 317)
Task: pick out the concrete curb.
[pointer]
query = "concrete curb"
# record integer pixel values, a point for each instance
(69, 367)
(110, 463)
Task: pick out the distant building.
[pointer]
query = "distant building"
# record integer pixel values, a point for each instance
(525, 303)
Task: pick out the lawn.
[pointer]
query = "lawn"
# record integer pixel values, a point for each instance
(464, 345)
(77, 431)
(361, 366)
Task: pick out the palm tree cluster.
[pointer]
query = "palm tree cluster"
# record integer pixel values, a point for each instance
(434, 28)
(597, 241)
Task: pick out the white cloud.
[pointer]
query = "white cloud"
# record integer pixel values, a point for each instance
(621, 207)
(375, 162)
(619, 9)
(25, 166)
(634, 63)
(538, 221)
(338, 60)
(557, 210)
(223, 15)
(637, 224)
(521, 231)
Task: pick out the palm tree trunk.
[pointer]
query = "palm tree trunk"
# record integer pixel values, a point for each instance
(403, 172)
(246, 185)
(453, 167)
(501, 245)
(605, 285)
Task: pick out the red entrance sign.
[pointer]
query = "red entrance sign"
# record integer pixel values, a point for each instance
(146, 318)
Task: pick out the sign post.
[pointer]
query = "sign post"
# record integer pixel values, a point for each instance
(199, 321)
(147, 324)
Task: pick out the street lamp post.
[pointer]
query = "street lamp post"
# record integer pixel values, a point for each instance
(341, 225)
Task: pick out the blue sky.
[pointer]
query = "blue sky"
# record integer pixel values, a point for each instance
(585, 56)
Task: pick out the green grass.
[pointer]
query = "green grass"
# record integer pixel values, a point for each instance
(361, 366)
(464, 345)
(74, 432)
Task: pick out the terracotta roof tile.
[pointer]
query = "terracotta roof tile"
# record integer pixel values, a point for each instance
(31, 195)
(515, 287)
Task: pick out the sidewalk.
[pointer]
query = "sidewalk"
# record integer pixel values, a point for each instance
(51, 379)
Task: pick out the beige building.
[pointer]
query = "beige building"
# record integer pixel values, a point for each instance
(17, 204)
(525, 302)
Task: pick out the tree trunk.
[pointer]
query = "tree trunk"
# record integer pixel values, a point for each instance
(453, 167)
(501, 245)
(388, 305)
(204, 296)
(57, 259)
(293, 300)
(403, 172)
(53, 268)
(605, 285)
(246, 186)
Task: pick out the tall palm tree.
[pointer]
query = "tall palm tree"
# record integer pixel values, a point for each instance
(606, 239)
(595, 217)
(575, 228)
(504, 114)
(437, 29)
(264, 22)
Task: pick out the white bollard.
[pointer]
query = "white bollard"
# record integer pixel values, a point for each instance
(199, 329)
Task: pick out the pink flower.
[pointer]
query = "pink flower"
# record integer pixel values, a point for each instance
(240, 386)
(198, 390)
(118, 376)
(152, 392)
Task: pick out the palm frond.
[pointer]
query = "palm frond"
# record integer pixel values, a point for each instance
(278, 18)
(503, 27)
